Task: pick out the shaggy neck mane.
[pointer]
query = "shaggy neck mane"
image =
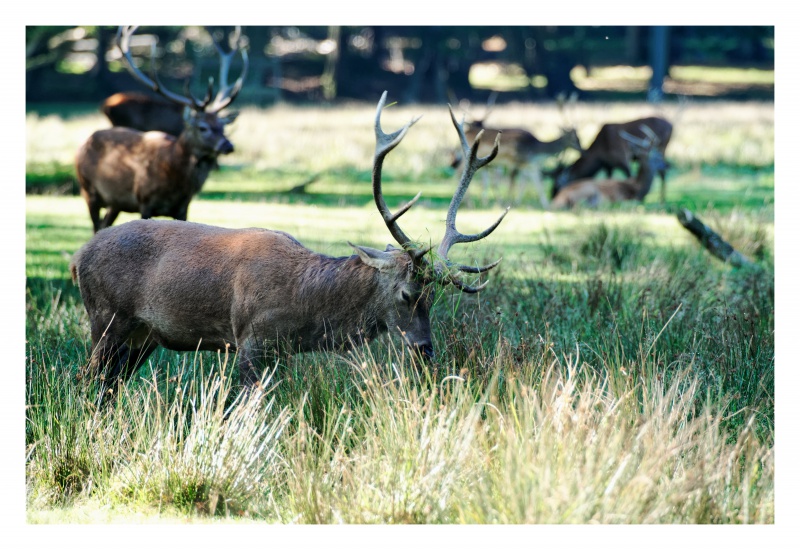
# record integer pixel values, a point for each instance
(198, 167)
(340, 292)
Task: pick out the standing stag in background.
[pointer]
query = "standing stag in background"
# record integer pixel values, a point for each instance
(125, 170)
(592, 192)
(611, 150)
(188, 286)
(520, 148)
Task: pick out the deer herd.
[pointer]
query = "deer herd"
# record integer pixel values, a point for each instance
(257, 292)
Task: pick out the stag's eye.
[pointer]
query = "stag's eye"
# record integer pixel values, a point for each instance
(406, 298)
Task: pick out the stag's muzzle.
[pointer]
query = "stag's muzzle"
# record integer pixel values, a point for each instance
(426, 351)
(224, 147)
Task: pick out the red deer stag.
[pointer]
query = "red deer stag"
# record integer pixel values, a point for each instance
(153, 173)
(148, 113)
(592, 192)
(610, 150)
(188, 286)
(520, 148)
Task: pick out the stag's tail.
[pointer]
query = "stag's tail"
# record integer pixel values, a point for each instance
(73, 267)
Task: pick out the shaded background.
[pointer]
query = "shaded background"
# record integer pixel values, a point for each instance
(426, 64)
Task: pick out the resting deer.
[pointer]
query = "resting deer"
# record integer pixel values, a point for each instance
(593, 191)
(610, 150)
(143, 112)
(520, 148)
(155, 174)
(187, 286)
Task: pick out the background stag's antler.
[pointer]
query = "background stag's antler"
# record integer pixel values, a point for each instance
(645, 143)
(226, 94)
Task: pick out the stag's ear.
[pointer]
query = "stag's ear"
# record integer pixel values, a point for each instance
(188, 114)
(228, 118)
(379, 259)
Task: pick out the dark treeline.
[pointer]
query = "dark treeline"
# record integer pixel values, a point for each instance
(422, 64)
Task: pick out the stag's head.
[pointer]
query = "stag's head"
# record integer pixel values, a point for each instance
(406, 297)
(570, 139)
(646, 150)
(413, 272)
(569, 135)
(204, 125)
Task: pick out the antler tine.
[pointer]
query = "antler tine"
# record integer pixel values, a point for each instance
(463, 287)
(228, 93)
(473, 269)
(634, 140)
(384, 143)
(653, 138)
(202, 103)
(123, 40)
(452, 235)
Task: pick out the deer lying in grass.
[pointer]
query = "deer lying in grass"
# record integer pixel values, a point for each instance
(155, 174)
(611, 150)
(594, 191)
(519, 148)
(143, 112)
(187, 286)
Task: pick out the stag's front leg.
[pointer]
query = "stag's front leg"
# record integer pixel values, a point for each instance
(181, 212)
(255, 356)
(109, 218)
(663, 194)
(93, 202)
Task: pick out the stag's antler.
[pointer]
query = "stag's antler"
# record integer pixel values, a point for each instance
(226, 94)
(443, 267)
(645, 144)
(384, 143)
(124, 34)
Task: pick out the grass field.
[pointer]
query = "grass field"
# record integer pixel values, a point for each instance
(612, 371)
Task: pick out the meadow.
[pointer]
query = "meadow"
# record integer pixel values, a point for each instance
(613, 371)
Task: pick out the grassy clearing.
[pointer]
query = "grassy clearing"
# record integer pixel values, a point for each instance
(612, 372)
(283, 146)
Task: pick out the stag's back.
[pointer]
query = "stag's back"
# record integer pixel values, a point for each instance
(179, 278)
(111, 161)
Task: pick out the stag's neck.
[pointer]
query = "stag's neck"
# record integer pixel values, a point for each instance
(586, 166)
(340, 294)
(644, 179)
(192, 165)
(553, 147)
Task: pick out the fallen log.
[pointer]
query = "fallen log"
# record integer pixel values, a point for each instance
(300, 188)
(711, 240)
